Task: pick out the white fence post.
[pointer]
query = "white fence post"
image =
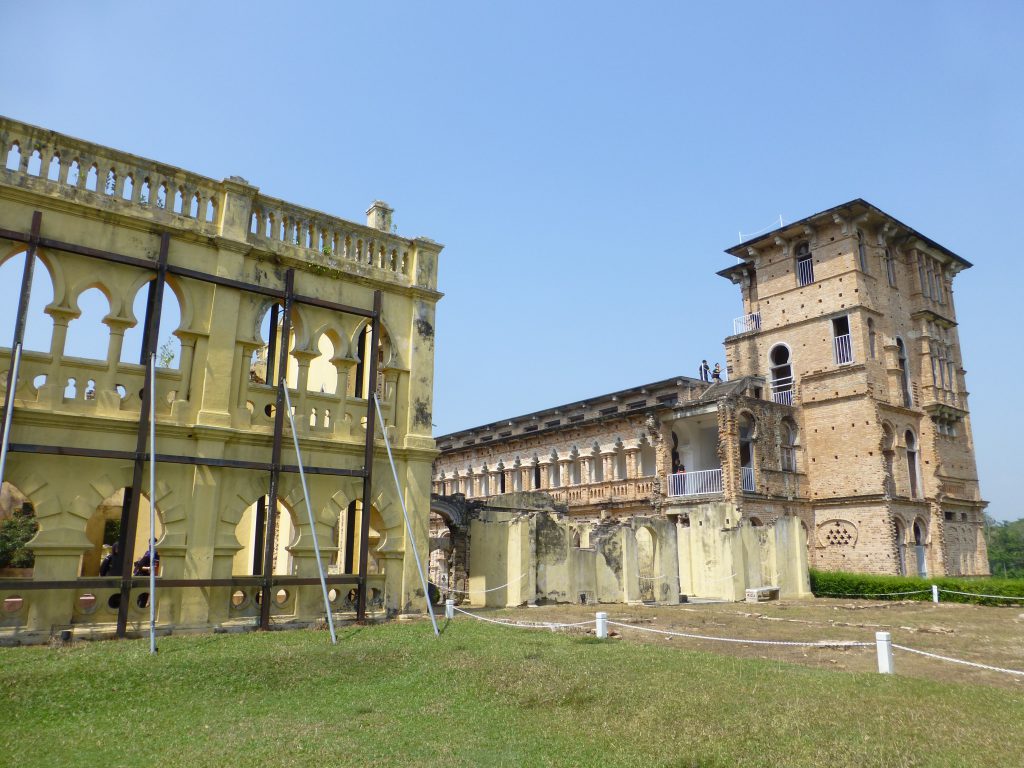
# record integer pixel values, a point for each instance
(449, 608)
(935, 593)
(883, 642)
(602, 625)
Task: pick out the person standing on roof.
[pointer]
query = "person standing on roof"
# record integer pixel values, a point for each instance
(716, 375)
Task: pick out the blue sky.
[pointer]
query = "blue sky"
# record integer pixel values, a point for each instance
(584, 163)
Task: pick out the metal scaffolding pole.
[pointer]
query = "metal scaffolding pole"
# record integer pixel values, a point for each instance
(152, 506)
(312, 522)
(405, 513)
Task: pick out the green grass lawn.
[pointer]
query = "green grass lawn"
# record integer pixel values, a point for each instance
(481, 695)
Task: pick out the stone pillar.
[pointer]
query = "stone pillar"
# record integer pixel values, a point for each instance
(632, 462)
(545, 475)
(564, 475)
(608, 464)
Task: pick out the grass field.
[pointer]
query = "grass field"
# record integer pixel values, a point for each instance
(480, 695)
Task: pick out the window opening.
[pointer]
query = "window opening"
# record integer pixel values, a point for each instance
(901, 353)
(912, 463)
(804, 265)
(842, 344)
(782, 375)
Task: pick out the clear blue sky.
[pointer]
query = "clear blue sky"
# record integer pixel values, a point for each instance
(584, 163)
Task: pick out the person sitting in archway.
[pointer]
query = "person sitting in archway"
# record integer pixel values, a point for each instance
(112, 564)
(142, 564)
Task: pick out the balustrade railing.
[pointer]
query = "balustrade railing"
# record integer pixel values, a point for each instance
(805, 272)
(747, 323)
(696, 483)
(747, 478)
(843, 349)
(36, 158)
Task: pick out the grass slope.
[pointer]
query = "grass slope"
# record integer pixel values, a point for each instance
(480, 696)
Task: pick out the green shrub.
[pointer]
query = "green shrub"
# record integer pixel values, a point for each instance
(15, 532)
(872, 587)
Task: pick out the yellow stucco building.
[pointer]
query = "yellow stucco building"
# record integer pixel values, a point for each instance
(235, 541)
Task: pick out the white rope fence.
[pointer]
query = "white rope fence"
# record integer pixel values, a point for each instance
(523, 624)
(883, 640)
(935, 590)
(477, 591)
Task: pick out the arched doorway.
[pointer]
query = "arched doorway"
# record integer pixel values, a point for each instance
(901, 546)
(104, 527)
(920, 547)
(440, 551)
(647, 560)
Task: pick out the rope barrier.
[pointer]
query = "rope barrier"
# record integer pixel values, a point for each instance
(1019, 598)
(872, 594)
(842, 644)
(958, 661)
(475, 591)
(525, 624)
(805, 644)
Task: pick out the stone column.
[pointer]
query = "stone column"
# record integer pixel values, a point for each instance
(564, 475)
(632, 462)
(608, 464)
(545, 475)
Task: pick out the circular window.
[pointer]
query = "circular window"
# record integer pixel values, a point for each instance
(332, 595)
(281, 597)
(142, 600)
(114, 601)
(13, 604)
(238, 598)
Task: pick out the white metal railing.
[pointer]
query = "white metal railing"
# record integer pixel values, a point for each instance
(751, 322)
(695, 483)
(844, 349)
(805, 272)
(747, 478)
(782, 390)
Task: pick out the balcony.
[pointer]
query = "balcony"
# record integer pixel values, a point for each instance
(747, 323)
(703, 482)
(804, 271)
(747, 479)
(697, 483)
(843, 349)
(782, 390)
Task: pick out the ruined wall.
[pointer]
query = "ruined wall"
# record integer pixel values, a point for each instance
(206, 402)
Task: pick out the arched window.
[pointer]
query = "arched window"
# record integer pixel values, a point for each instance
(747, 428)
(788, 447)
(501, 477)
(901, 354)
(901, 547)
(920, 545)
(871, 338)
(87, 336)
(597, 464)
(536, 475)
(361, 379)
(167, 347)
(912, 468)
(888, 451)
(804, 264)
(890, 267)
(782, 375)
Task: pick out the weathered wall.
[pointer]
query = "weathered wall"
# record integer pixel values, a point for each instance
(206, 403)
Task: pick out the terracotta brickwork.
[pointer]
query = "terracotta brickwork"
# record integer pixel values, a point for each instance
(862, 306)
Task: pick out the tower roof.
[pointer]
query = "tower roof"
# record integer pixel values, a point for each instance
(853, 209)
